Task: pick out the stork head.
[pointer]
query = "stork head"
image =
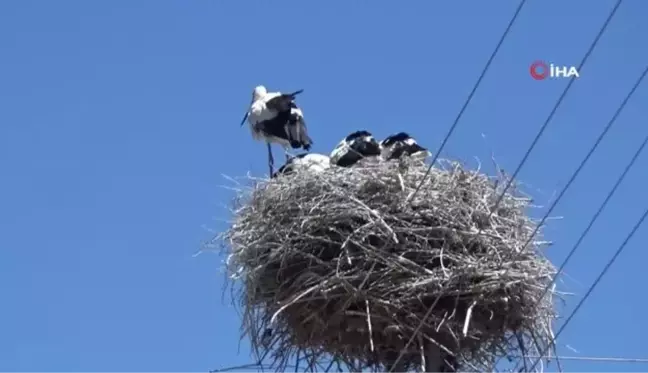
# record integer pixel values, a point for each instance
(259, 92)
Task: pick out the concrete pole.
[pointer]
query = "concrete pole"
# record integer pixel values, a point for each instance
(399, 368)
(434, 358)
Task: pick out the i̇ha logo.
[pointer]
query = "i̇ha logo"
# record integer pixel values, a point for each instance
(540, 70)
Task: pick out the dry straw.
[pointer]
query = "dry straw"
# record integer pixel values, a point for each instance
(337, 269)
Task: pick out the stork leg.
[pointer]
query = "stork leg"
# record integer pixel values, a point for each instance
(270, 160)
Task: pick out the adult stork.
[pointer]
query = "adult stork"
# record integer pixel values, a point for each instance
(397, 145)
(275, 118)
(306, 161)
(354, 147)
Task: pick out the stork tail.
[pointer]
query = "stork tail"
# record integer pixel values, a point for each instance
(298, 135)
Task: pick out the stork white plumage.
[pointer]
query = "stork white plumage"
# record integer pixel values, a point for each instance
(354, 147)
(275, 118)
(311, 162)
(400, 144)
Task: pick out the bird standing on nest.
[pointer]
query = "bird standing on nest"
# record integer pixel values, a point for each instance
(275, 118)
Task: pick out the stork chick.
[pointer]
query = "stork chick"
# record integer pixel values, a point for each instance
(306, 161)
(397, 145)
(354, 147)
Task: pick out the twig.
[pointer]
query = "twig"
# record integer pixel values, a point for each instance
(415, 268)
(468, 316)
(371, 343)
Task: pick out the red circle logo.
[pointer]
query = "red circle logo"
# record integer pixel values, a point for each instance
(539, 70)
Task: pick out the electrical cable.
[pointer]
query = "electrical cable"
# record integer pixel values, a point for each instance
(612, 191)
(595, 283)
(470, 96)
(555, 108)
(529, 150)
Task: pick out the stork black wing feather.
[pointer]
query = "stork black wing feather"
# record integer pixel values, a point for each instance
(401, 136)
(275, 127)
(297, 133)
(357, 134)
(283, 102)
(279, 103)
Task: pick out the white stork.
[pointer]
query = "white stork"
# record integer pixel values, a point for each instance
(351, 149)
(275, 118)
(395, 146)
(306, 161)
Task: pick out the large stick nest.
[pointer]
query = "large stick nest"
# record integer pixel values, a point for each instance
(341, 267)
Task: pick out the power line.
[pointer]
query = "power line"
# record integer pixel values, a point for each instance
(609, 195)
(575, 174)
(529, 150)
(452, 128)
(620, 249)
(596, 282)
(582, 164)
(555, 108)
(470, 96)
(612, 191)
(587, 358)
(577, 358)
(598, 212)
(541, 131)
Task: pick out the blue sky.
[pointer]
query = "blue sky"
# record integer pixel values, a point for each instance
(118, 118)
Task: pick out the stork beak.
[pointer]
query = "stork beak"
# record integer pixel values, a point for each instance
(247, 113)
(244, 118)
